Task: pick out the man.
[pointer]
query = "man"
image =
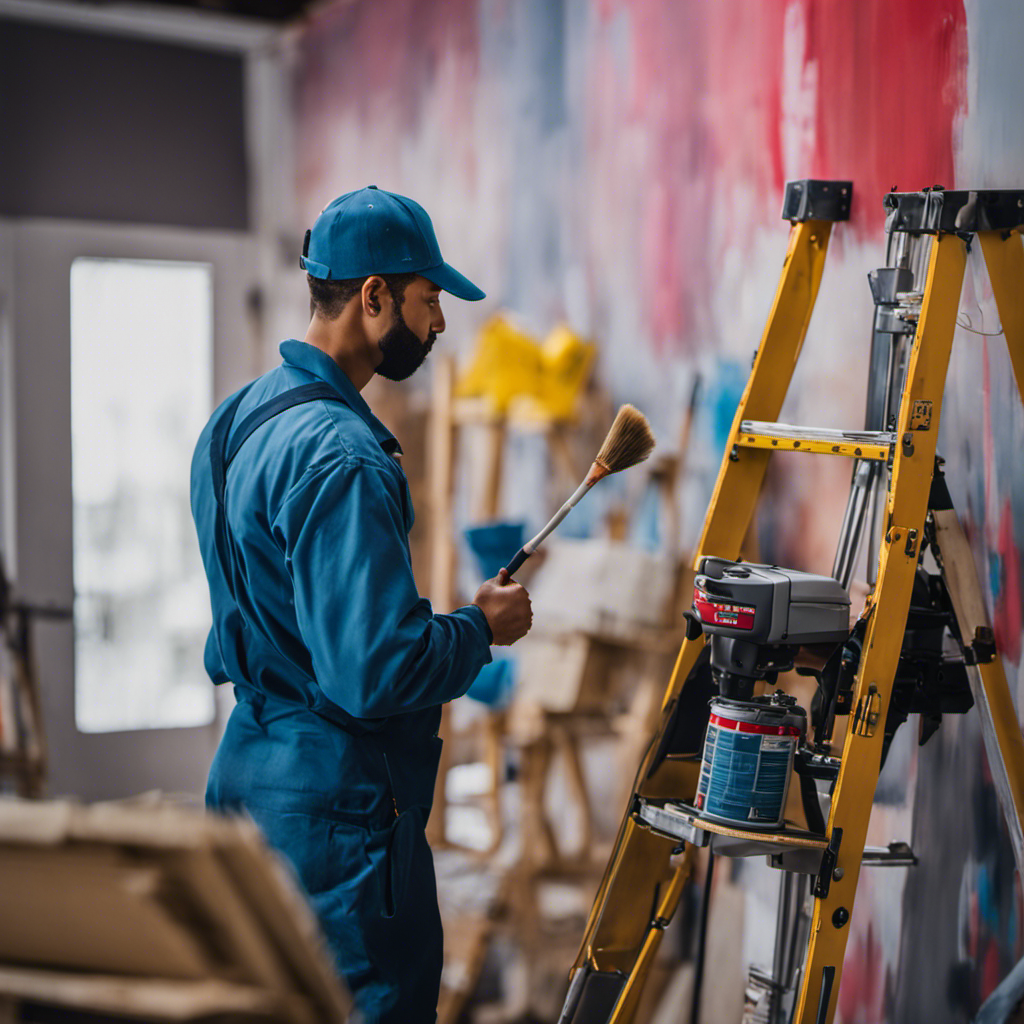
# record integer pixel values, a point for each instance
(339, 666)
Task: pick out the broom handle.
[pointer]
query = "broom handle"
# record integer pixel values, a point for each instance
(530, 546)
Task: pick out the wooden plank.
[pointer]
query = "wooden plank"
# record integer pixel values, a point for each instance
(86, 909)
(494, 464)
(80, 885)
(231, 925)
(158, 1000)
(442, 554)
(466, 940)
(1000, 728)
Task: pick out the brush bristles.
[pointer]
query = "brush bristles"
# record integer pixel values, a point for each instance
(628, 443)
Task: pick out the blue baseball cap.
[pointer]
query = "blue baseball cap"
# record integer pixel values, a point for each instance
(376, 232)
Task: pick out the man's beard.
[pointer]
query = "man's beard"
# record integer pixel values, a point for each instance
(403, 352)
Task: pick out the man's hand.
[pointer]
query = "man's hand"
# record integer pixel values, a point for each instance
(506, 605)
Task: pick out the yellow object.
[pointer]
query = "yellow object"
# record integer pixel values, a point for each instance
(506, 363)
(739, 482)
(566, 360)
(907, 505)
(620, 934)
(784, 438)
(543, 381)
(640, 888)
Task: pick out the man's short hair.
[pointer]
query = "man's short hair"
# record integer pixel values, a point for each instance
(329, 298)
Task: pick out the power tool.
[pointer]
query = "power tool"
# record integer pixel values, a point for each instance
(759, 616)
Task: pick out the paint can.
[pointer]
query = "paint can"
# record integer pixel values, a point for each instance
(748, 758)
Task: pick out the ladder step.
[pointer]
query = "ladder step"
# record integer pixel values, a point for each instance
(682, 821)
(855, 444)
(895, 855)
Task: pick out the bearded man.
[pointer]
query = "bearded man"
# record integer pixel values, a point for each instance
(339, 667)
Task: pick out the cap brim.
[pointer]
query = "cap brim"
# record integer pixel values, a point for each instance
(450, 280)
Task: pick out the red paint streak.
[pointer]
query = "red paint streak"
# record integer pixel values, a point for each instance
(1008, 613)
(743, 103)
(1007, 620)
(662, 107)
(891, 82)
(991, 971)
(707, 91)
(703, 92)
(861, 989)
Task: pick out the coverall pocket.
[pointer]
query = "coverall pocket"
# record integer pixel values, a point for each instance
(400, 853)
(412, 775)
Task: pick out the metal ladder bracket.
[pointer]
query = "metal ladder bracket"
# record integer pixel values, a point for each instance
(828, 864)
(814, 199)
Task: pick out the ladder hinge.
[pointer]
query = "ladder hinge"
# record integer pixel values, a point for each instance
(982, 648)
(869, 707)
(921, 415)
(829, 857)
(895, 533)
(911, 548)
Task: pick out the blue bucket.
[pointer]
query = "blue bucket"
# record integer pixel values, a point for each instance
(494, 683)
(494, 544)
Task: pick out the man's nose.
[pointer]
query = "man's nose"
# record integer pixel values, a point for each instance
(438, 325)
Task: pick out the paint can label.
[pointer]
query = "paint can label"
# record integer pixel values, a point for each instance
(744, 775)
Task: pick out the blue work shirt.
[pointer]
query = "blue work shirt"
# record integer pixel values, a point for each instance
(339, 665)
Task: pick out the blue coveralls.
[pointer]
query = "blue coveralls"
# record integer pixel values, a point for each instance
(339, 668)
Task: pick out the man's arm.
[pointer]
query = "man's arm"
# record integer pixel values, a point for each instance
(376, 647)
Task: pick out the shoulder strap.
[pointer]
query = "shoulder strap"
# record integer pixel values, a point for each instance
(223, 448)
(222, 453)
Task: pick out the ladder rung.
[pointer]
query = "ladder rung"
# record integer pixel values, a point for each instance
(855, 444)
(896, 855)
(681, 821)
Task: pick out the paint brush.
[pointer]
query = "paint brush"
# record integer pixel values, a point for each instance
(628, 443)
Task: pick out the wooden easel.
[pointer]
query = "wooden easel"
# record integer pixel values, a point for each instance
(450, 416)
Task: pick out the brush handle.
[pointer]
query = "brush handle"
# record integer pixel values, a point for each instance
(531, 545)
(520, 556)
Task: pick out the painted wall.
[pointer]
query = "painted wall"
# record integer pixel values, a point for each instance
(620, 164)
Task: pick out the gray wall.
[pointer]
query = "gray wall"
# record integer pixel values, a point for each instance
(116, 128)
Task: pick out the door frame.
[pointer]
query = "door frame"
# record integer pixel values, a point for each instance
(37, 282)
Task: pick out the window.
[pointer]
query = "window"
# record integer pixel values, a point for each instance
(141, 391)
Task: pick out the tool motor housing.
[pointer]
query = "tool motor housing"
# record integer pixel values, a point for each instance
(758, 616)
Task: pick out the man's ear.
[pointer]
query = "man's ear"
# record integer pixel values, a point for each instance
(373, 288)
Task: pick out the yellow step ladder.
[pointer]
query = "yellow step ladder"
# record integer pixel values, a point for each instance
(643, 881)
